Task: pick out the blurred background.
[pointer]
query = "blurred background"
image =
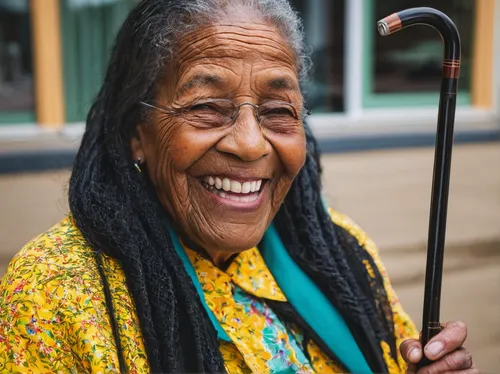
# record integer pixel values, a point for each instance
(374, 103)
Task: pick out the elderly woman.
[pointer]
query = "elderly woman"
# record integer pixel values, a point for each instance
(198, 240)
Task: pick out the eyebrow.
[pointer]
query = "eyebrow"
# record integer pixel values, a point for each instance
(200, 80)
(282, 84)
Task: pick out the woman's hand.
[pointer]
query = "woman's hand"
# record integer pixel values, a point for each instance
(445, 349)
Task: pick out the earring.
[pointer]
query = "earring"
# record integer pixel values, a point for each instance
(137, 164)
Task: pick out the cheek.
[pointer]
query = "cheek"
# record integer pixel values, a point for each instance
(184, 145)
(177, 147)
(291, 150)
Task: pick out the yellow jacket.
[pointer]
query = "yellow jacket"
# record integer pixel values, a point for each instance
(53, 315)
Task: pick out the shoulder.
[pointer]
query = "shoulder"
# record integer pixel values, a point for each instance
(59, 250)
(352, 228)
(404, 326)
(63, 235)
(48, 269)
(365, 242)
(52, 304)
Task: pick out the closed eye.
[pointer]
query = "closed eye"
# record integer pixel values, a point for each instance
(204, 106)
(282, 111)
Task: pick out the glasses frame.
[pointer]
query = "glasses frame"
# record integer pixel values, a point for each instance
(179, 111)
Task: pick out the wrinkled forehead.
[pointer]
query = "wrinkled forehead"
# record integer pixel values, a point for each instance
(252, 42)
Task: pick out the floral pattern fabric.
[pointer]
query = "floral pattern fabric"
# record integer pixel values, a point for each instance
(53, 315)
(404, 328)
(264, 344)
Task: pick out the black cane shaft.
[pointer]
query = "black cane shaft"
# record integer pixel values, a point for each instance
(439, 200)
(442, 157)
(438, 213)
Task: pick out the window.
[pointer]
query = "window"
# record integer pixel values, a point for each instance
(324, 29)
(406, 68)
(89, 29)
(16, 73)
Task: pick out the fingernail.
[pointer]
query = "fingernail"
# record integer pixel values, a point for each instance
(414, 354)
(434, 348)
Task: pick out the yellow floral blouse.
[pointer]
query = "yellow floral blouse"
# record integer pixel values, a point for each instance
(53, 315)
(261, 343)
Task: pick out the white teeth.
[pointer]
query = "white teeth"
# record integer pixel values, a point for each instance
(229, 185)
(218, 183)
(235, 186)
(253, 184)
(244, 199)
(247, 199)
(246, 187)
(234, 197)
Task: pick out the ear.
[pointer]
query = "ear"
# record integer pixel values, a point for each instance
(137, 144)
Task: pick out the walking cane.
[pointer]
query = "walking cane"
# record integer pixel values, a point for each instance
(442, 157)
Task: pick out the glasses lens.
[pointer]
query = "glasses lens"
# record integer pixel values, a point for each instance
(210, 113)
(277, 110)
(279, 117)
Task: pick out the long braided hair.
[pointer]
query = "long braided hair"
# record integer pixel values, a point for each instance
(118, 213)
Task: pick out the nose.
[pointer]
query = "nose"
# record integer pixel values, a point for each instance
(245, 140)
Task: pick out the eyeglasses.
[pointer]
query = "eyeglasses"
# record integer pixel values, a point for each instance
(212, 113)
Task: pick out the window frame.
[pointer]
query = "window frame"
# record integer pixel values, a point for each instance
(371, 99)
(83, 72)
(22, 116)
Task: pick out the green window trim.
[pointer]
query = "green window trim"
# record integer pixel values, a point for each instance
(9, 118)
(409, 100)
(388, 100)
(88, 34)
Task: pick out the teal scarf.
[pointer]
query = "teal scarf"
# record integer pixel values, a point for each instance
(301, 293)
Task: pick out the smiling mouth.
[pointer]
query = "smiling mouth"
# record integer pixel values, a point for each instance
(233, 190)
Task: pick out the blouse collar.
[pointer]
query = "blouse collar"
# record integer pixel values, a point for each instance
(247, 270)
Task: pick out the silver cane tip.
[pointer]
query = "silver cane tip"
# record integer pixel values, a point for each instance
(383, 28)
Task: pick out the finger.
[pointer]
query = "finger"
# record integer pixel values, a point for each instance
(460, 359)
(411, 351)
(449, 339)
(466, 371)
(411, 369)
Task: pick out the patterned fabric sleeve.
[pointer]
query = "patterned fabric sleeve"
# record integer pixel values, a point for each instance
(51, 317)
(404, 328)
(31, 339)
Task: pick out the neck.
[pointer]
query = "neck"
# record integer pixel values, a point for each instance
(221, 259)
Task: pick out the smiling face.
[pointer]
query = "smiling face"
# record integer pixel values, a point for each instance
(222, 185)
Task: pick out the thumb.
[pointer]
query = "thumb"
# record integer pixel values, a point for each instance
(411, 351)
(412, 369)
